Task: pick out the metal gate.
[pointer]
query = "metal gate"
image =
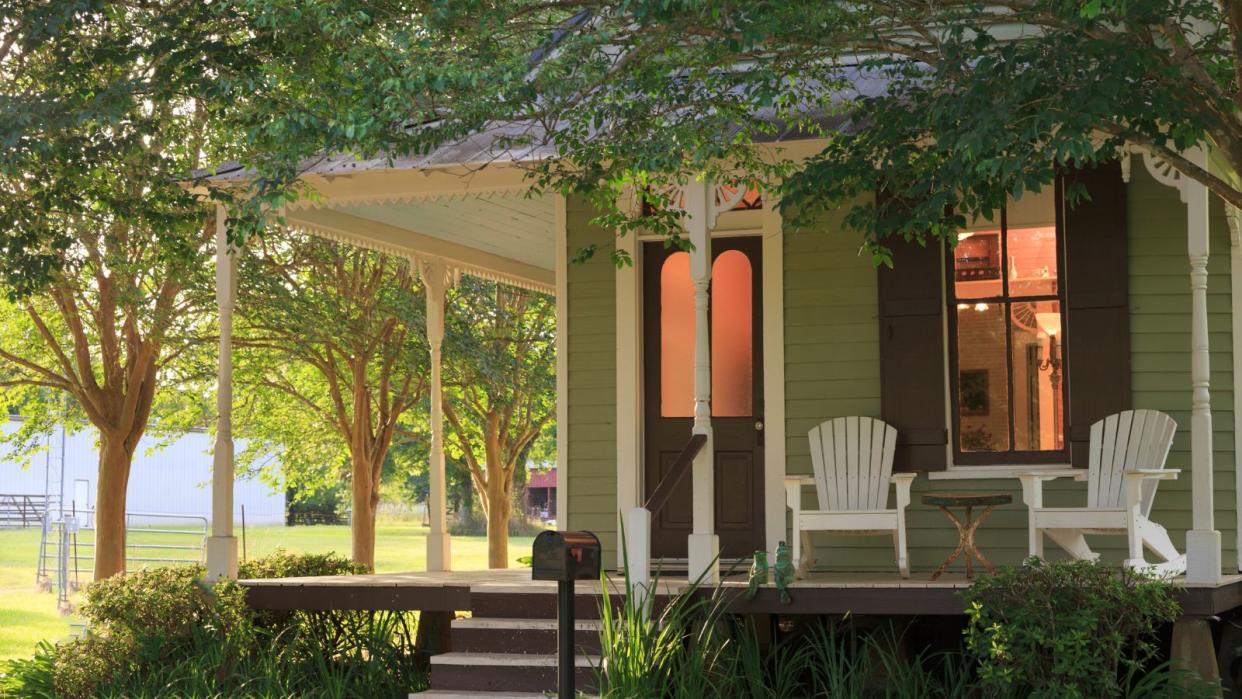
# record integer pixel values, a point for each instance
(67, 551)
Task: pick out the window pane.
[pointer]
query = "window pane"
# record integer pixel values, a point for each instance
(976, 265)
(732, 336)
(676, 337)
(1032, 210)
(1032, 244)
(983, 382)
(1038, 339)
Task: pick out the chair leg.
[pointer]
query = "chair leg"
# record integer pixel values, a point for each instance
(903, 557)
(802, 563)
(1074, 543)
(796, 544)
(1035, 541)
(1156, 539)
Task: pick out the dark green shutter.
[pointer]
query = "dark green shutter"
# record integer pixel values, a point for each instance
(1096, 276)
(912, 355)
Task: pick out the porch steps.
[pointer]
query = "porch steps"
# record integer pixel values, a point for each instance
(509, 655)
(448, 694)
(524, 636)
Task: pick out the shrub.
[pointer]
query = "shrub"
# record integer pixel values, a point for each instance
(164, 632)
(86, 666)
(674, 650)
(167, 602)
(521, 525)
(471, 522)
(33, 678)
(686, 645)
(1074, 629)
(282, 564)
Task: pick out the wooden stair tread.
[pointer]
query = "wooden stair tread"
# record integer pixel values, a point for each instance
(455, 694)
(520, 624)
(510, 659)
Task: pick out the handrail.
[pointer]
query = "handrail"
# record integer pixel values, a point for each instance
(664, 491)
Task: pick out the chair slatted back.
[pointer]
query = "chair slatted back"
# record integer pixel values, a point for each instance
(1132, 439)
(853, 461)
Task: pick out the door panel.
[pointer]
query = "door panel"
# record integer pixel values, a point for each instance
(676, 514)
(735, 486)
(737, 361)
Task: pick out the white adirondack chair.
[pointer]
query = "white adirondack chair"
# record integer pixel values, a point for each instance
(853, 462)
(1128, 451)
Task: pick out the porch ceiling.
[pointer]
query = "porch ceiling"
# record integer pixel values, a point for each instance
(506, 236)
(510, 226)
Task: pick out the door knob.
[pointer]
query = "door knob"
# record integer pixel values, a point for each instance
(758, 425)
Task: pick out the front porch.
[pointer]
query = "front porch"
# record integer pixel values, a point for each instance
(486, 591)
(504, 630)
(815, 355)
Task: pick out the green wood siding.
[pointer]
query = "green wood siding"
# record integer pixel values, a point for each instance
(592, 430)
(832, 369)
(1160, 346)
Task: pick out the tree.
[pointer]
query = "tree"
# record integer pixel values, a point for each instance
(113, 340)
(500, 391)
(105, 256)
(105, 107)
(950, 106)
(332, 343)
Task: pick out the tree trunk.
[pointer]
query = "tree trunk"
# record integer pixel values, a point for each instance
(114, 464)
(362, 520)
(498, 507)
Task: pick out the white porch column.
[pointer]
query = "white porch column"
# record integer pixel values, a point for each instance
(704, 545)
(1203, 546)
(222, 545)
(1234, 218)
(435, 277)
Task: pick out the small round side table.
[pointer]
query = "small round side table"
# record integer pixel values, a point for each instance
(966, 529)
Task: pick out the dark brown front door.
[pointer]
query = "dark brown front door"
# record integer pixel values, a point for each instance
(736, 323)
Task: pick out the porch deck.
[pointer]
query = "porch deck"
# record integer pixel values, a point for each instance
(819, 593)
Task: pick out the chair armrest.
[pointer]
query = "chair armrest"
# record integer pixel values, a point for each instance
(1163, 474)
(1132, 485)
(903, 481)
(1078, 474)
(793, 490)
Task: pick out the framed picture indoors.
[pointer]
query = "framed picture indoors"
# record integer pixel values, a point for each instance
(973, 392)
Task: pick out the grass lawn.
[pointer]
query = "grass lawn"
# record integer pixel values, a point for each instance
(28, 616)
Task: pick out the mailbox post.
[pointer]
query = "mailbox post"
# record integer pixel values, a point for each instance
(565, 557)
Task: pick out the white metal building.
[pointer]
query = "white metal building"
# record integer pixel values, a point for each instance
(173, 480)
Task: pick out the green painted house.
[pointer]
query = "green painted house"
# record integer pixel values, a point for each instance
(991, 358)
(963, 388)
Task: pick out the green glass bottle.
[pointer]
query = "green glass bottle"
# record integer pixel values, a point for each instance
(783, 574)
(758, 574)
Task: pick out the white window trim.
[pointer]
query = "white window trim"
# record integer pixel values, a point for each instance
(955, 471)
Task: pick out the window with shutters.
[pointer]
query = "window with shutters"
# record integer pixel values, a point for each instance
(1008, 335)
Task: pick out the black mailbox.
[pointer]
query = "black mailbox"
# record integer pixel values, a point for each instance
(565, 556)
